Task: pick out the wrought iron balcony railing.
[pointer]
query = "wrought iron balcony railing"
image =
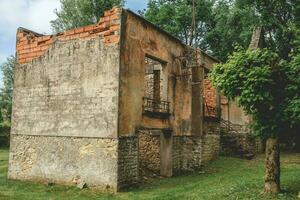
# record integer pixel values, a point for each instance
(157, 109)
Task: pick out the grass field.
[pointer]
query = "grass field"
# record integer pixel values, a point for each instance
(226, 178)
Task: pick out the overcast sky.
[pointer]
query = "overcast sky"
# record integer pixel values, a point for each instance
(34, 15)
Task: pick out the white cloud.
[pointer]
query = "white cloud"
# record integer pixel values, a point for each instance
(31, 14)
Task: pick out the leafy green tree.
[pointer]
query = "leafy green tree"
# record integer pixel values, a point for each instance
(77, 13)
(232, 24)
(268, 89)
(221, 24)
(280, 19)
(175, 17)
(234, 21)
(6, 92)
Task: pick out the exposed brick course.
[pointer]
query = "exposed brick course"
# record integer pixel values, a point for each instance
(31, 45)
(210, 96)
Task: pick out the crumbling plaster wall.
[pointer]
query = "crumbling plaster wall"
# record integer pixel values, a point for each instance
(65, 114)
(140, 39)
(70, 97)
(63, 93)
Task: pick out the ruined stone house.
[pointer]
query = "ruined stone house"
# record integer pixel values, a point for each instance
(96, 103)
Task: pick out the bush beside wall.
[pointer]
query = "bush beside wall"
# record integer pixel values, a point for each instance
(4, 134)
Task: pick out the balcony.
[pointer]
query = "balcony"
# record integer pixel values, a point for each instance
(156, 109)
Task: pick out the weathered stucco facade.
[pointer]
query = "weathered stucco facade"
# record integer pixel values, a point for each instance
(95, 103)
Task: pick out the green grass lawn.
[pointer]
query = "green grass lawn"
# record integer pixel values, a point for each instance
(226, 178)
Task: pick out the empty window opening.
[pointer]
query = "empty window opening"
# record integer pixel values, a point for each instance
(155, 87)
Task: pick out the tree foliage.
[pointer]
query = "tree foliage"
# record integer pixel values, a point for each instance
(265, 86)
(232, 24)
(6, 92)
(280, 19)
(219, 24)
(222, 24)
(292, 110)
(77, 13)
(175, 17)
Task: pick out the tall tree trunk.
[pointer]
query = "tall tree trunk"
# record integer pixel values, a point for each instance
(272, 173)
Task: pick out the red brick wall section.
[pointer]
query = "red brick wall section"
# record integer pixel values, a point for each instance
(210, 95)
(31, 45)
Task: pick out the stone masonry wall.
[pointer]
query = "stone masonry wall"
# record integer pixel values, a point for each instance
(192, 152)
(128, 161)
(186, 153)
(64, 160)
(189, 153)
(210, 148)
(237, 141)
(210, 141)
(149, 150)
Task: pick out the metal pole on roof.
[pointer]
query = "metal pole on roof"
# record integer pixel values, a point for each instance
(193, 23)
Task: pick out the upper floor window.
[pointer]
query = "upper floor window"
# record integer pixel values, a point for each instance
(155, 88)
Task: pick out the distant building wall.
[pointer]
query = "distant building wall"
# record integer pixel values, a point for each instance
(236, 135)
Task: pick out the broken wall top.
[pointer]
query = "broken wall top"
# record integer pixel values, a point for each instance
(32, 45)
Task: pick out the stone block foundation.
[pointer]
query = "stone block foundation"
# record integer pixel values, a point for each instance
(65, 160)
(128, 161)
(189, 153)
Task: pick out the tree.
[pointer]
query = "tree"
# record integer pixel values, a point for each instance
(234, 20)
(221, 24)
(232, 24)
(175, 17)
(77, 13)
(6, 92)
(268, 89)
(280, 19)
